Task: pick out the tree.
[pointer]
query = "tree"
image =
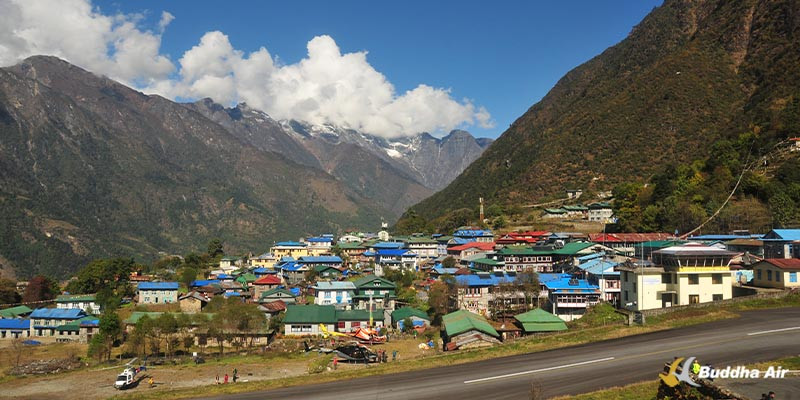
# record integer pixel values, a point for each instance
(440, 299)
(40, 288)
(783, 210)
(408, 325)
(499, 223)
(449, 262)
(109, 332)
(187, 275)
(8, 292)
(215, 248)
(108, 278)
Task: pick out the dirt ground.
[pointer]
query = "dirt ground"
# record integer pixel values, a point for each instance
(97, 383)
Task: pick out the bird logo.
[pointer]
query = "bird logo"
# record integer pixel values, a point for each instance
(673, 378)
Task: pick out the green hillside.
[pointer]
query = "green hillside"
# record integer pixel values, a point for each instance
(691, 74)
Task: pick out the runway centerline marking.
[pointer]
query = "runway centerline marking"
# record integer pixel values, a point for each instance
(774, 330)
(538, 370)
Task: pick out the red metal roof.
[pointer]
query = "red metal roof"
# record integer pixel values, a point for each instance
(628, 237)
(486, 246)
(275, 306)
(268, 280)
(784, 263)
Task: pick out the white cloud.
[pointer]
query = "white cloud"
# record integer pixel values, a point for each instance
(324, 87)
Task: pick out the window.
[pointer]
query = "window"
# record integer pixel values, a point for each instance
(694, 280)
(769, 275)
(717, 297)
(666, 278)
(758, 274)
(300, 328)
(341, 325)
(694, 298)
(793, 277)
(716, 279)
(777, 276)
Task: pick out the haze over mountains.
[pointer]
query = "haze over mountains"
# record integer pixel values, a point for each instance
(691, 73)
(92, 168)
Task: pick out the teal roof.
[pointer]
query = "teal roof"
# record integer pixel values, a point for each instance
(358, 315)
(538, 320)
(15, 312)
(406, 312)
(309, 314)
(370, 278)
(463, 321)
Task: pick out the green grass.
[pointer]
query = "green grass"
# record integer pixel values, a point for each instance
(595, 329)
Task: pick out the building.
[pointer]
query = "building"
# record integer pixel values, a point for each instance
(782, 243)
(601, 212)
(352, 320)
(313, 261)
(229, 263)
(335, 293)
(554, 213)
(473, 234)
(292, 272)
(574, 193)
(395, 259)
(353, 252)
(306, 320)
(600, 271)
(423, 247)
(193, 302)
(569, 297)
(538, 320)
(489, 293)
(752, 246)
(626, 243)
(85, 302)
(44, 321)
(523, 238)
(318, 246)
(418, 317)
(157, 292)
(678, 275)
(15, 312)
(577, 211)
(289, 249)
(275, 295)
(463, 329)
(546, 258)
(265, 284)
(469, 249)
(778, 273)
(266, 260)
(13, 328)
(380, 291)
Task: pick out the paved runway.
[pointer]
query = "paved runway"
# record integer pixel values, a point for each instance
(757, 336)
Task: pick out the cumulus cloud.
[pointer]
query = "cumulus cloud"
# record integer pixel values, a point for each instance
(71, 29)
(326, 86)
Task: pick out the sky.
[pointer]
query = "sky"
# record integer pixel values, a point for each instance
(387, 68)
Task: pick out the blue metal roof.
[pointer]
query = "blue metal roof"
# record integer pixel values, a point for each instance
(232, 294)
(388, 245)
(15, 324)
(335, 285)
(545, 277)
(319, 259)
(158, 286)
(287, 259)
(203, 282)
(224, 277)
(295, 291)
(263, 271)
(291, 266)
(395, 252)
(599, 267)
(290, 244)
(473, 233)
(439, 269)
(57, 313)
(458, 240)
(562, 285)
(713, 237)
(482, 280)
(783, 234)
(319, 239)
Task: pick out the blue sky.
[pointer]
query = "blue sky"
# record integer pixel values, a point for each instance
(503, 56)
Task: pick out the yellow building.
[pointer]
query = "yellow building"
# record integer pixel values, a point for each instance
(677, 275)
(289, 249)
(777, 273)
(265, 260)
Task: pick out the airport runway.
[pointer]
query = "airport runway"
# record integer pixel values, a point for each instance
(756, 336)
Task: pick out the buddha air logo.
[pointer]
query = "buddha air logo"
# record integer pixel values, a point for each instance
(672, 378)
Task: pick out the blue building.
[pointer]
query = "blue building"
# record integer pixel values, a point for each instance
(570, 297)
(157, 292)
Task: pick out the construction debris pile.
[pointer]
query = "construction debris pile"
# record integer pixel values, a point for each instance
(41, 367)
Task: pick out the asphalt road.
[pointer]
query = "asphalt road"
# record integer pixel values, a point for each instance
(576, 369)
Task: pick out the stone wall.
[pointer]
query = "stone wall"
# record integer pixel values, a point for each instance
(764, 295)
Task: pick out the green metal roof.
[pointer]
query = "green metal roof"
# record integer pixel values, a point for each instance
(75, 298)
(462, 321)
(405, 312)
(539, 320)
(362, 282)
(271, 292)
(309, 314)
(321, 268)
(350, 246)
(555, 210)
(137, 315)
(487, 261)
(14, 312)
(358, 315)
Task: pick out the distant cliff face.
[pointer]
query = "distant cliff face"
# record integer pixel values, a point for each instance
(690, 73)
(91, 168)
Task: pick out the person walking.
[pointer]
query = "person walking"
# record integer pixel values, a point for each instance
(150, 382)
(695, 367)
(217, 379)
(335, 362)
(235, 375)
(225, 379)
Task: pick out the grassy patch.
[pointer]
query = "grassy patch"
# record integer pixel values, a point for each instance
(636, 391)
